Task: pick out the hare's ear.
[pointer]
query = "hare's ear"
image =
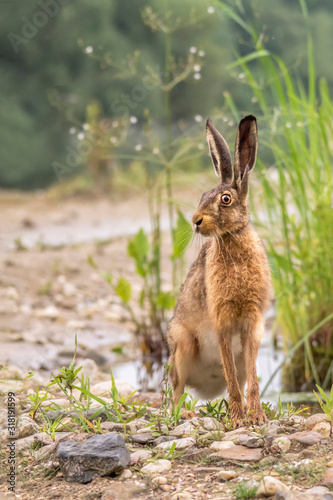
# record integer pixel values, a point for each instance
(220, 153)
(245, 148)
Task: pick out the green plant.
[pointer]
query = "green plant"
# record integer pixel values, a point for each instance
(67, 376)
(297, 199)
(278, 412)
(326, 404)
(36, 400)
(244, 490)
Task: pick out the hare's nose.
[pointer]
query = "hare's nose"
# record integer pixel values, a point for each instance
(197, 220)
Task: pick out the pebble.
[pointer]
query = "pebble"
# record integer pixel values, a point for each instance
(226, 475)
(221, 445)
(306, 437)
(282, 443)
(140, 456)
(126, 474)
(181, 444)
(142, 438)
(251, 441)
(157, 467)
(328, 477)
(160, 480)
(323, 428)
(269, 485)
(330, 464)
(50, 312)
(315, 419)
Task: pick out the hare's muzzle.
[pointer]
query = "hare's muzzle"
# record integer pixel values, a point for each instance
(197, 220)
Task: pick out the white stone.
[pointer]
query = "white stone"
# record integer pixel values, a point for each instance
(140, 455)
(69, 289)
(11, 293)
(221, 445)
(318, 490)
(126, 474)
(283, 443)
(160, 480)
(125, 389)
(50, 312)
(157, 467)
(227, 474)
(181, 444)
(269, 485)
(76, 324)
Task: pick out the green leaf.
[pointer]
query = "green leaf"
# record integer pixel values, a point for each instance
(91, 262)
(138, 249)
(124, 290)
(106, 277)
(182, 235)
(166, 300)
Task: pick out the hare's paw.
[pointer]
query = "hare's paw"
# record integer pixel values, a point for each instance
(257, 416)
(237, 414)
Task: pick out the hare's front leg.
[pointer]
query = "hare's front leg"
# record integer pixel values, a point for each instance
(181, 359)
(236, 404)
(251, 342)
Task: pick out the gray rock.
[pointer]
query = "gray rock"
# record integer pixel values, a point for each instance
(143, 438)
(251, 441)
(306, 437)
(100, 455)
(163, 439)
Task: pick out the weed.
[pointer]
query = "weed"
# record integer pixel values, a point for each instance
(244, 490)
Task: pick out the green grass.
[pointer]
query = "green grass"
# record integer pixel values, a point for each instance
(296, 131)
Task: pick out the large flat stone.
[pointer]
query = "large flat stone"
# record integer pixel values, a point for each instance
(100, 455)
(241, 453)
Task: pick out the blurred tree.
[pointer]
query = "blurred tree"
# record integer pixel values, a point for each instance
(47, 80)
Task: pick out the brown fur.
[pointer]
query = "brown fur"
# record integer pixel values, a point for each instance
(215, 333)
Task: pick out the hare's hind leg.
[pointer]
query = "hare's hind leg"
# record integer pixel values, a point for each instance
(251, 342)
(183, 353)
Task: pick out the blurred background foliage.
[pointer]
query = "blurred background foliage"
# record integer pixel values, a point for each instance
(47, 83)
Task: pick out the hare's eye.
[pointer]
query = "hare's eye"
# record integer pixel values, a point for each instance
(226, 199)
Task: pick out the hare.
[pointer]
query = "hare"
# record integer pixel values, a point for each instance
(215, 333)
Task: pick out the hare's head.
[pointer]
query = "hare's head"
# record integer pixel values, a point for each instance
(224, 209)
